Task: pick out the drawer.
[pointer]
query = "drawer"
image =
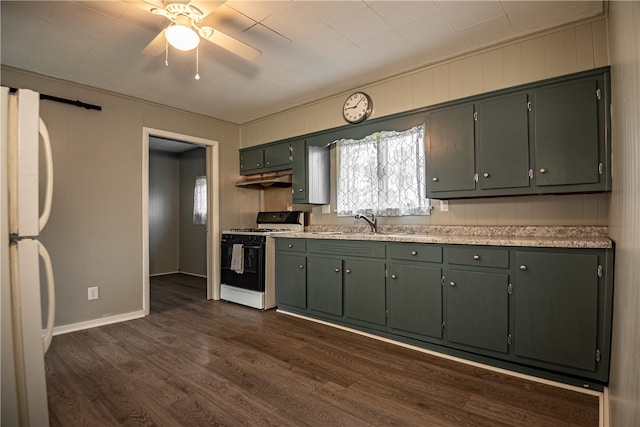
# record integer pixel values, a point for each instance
(415, 252)
(291, 245)
(478, 256)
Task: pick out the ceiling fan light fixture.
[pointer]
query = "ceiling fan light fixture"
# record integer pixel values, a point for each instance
(182, 37)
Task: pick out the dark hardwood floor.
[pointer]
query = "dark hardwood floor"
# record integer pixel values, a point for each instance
(198, 362)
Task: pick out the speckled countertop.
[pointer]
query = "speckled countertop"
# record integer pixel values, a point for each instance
(547, 237)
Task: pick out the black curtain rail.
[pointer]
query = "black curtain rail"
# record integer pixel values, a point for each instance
(65, 101)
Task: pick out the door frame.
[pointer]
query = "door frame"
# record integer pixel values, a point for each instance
(213, 217)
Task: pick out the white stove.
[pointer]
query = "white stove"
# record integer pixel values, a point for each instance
(248, 259)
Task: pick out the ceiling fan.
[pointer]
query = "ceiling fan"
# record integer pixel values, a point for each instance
(186, 30)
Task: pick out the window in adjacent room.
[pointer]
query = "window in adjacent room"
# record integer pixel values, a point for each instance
(382, 174)
(200, 201)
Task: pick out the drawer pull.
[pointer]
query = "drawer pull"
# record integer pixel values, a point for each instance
(258, 164)
(476, 257)
(452, 284)
(414, 253)
(290, 245)
(486, 174)
(434, 179)
(337, 270)
(348, 271)
(393, 276)
(300, 190)
(301, 267)
(543, 170)
(523, 267)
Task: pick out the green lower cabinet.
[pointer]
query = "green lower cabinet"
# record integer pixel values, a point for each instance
(414, 300)
(364, 291)
(556, 308)
(291, 286)
(477, 309)
(324, 285)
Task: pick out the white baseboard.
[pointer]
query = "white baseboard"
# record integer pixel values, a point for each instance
(193, 274)
(64, 329)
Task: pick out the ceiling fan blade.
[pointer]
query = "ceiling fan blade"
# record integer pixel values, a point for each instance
(206, 6)
(156, 46)
(233, 45)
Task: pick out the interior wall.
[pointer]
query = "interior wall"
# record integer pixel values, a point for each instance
(164, 212)
(624, 40)
(193, 238)
(94, 234)
(563, 51)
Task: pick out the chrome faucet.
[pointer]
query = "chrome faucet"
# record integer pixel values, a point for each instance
(373, 223)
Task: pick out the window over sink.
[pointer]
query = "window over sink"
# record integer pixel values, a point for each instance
(382, 174)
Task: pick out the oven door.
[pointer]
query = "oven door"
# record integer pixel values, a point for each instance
(252, 277)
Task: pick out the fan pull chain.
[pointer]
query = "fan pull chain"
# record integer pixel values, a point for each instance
(197, 62)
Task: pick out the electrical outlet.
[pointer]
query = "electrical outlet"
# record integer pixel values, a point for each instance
(92, 293)
(444, 206)
(326, 209)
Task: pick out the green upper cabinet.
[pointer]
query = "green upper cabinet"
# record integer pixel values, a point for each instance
(566, 133)
(310, 166)
(450, 147)
(502, 142)
(265, 158)
(545, 137)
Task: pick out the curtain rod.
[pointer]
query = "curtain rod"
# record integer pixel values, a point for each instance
(77, 103)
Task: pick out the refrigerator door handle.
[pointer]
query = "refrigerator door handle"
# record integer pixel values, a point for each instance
(48, 198)
(47, 334)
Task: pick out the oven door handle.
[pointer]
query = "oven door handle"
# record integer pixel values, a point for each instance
(244, 246)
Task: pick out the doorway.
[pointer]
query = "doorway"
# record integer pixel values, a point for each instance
(212, 220)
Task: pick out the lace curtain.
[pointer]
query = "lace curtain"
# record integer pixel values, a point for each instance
(200, 201)
(383, 174)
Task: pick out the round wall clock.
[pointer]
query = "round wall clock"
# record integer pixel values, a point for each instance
(357, 107)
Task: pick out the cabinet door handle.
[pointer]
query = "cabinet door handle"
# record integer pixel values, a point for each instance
(258, 164)
(268, 163)
(414, 253)
(337, 270)
(543, 170)
(393, 276)
(434, 179)
(486, 174)
(301, 267)
(290, 245)
(300, 190)
(452, 284)
(476, 257)
(348, 271)
(523, 267)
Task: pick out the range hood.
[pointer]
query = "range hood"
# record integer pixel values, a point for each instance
(262, 180)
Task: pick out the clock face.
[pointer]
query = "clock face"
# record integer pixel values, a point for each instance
(357, 107)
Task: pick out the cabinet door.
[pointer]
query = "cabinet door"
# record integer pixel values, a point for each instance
(251, 160)
(299, 171)
(477, 309)
(324, 285)
(556, 308)
(414, 299)
(450, 148)
(277, 155)
(291, 283)
(566, 134)
(364, 292)
(502, 142)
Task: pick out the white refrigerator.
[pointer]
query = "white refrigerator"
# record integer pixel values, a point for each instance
(22, 258)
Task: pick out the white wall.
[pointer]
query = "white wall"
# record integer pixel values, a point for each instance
(95, 231)
(564, 51)
(624, 38)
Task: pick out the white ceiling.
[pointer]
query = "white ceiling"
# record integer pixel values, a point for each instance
(310, 49)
